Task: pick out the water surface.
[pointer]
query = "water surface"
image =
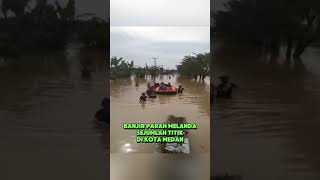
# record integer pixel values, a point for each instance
(270, 129)
(46, 112)
(193, 104)
(143, 161)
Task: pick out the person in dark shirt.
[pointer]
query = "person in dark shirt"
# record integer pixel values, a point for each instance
(224, 89)
(155, 86)
(143, 97)
(102, 115)
(180, 89)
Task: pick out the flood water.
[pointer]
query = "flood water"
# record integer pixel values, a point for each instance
(46, 113)
(193, 104)
(270, 128)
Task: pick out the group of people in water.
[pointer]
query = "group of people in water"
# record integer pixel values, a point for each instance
(223, 90)
(151, 90)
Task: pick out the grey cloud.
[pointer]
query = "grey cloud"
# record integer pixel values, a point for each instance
(142, 49)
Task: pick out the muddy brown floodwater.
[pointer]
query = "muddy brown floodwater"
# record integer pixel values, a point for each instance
(270, 129)
(193, 104)
(46, 112)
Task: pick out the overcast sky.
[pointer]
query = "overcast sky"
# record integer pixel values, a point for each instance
(169, 44)
(160, 12)
(166, 29)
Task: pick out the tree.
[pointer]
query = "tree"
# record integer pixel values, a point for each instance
(48, 26)
(67, 13)
(271, 24)
(195, 66)
(93, 32)
(120, 68)
(16, 6)
(114, 61)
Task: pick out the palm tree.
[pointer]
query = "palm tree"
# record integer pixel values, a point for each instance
(16, 6)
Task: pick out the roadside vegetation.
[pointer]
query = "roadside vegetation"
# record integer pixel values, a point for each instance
(194, 66)
(28, 26)
(270, 24)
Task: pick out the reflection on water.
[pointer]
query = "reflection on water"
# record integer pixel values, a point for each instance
(126, 107)
(46, 111)
(269, 129)
(146, 166)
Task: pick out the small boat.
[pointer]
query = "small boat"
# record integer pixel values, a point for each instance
(152, 96)
(168, 90)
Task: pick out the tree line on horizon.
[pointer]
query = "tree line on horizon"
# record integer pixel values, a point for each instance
(193, 66)
(270, 24)
(119, 67)
(45, 25)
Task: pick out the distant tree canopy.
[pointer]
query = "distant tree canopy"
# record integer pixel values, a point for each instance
(47, 26)
(195, 66)
(67, 13)
(93, 32)
(271, 23)
(120, 68)
(140, 72)
(16, 6)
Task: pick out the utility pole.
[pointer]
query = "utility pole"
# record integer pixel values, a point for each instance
(155, 61)
(154, 71)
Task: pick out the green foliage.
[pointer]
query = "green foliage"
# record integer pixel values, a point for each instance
(270, 23)
(44, 28)
(16, 6)
(47, 26)
(93, 32)
(67, 13)
(120, 68)
(140, 72)
(195, 66)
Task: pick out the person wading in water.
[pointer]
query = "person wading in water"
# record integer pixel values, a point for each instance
(143, 97)
(102, 115)
(180, 89)
(224, 89)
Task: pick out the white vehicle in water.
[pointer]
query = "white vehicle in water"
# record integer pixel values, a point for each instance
(178, 148)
